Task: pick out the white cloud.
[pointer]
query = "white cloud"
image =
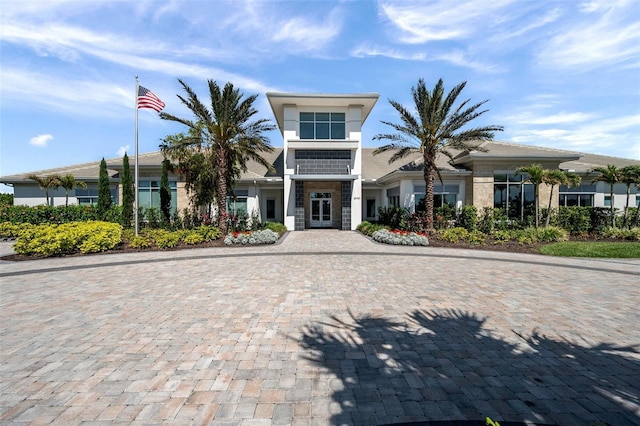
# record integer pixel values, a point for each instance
(364, 51)
(421, 22)
(123, 150)
(40, 140)
(605, 36)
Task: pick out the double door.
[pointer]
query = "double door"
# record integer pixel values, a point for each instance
(321, 211)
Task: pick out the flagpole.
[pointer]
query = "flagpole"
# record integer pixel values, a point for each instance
(136, 165)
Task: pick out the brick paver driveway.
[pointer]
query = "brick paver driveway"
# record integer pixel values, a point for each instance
(324, 328)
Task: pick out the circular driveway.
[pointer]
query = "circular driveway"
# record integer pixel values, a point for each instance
(326, 327)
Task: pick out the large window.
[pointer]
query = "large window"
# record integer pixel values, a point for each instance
(149, 194)
(322, 125)
(513, 195)
(577, 196)
(371, 207)
(443, 195)
(237, 204)
(89, 196)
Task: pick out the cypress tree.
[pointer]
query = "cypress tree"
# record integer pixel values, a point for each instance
(104, 192)
(128, 195)
(165, 192)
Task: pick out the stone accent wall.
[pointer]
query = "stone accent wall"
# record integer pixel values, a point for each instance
(482, 192)
(346, 205)
(320, 186)
(299, 209)
(323, 162)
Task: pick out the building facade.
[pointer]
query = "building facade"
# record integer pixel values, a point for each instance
(323, 177)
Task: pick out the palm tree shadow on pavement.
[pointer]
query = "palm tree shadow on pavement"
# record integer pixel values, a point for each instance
(445, 367)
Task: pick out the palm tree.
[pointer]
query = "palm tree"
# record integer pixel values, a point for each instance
(437, 129)
(629, 175)
(226, 134)
(609, 174)
(535, 174)
(69, 182)
(558, 177)
(46, 183)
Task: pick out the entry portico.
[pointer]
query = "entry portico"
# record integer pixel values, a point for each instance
(322, 148)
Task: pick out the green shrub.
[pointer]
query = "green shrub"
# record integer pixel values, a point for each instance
(208, 232)
(13, 230)
(276, 227)
(503, 235)
(404, 238)
(454, 235)
(475, 237)
(265, 236)
(165, 239)
(551, 234)
(368, 228)
(141, 241)
(467, 218)
(392, 216)
(576, 220)
(51, 240)
(192, 237)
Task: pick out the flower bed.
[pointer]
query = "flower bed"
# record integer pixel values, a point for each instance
(403, 238)
(265, 236)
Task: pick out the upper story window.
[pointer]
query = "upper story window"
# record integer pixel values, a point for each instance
(322, 125)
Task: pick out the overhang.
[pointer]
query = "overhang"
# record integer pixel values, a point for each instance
(279, 100)
(324, 177)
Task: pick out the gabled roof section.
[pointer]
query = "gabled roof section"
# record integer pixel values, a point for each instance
(86, 172)
(278, 100)
(506, 150)
(589, 161)
(377, 167)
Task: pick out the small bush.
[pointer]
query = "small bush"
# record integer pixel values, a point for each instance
(208, 232)
(476, 237)
(13, 230)
(368, 228)
(552, 234)
(165, 239)
(192, 237)
(454, 235)
(396, 237)
(467, 218)
(276, 227)
(140, 241)
(265, 236)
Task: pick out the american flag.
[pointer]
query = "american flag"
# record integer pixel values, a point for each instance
(148, 99)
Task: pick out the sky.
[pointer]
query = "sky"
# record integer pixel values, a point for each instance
(561, 74)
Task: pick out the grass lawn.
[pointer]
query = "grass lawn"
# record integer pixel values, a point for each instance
(593, 249)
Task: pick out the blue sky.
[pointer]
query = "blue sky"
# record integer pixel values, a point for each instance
(562, 74)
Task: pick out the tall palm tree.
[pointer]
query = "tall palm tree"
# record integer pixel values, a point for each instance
(227, 135)
(629, 175)
(535, 174)
(69, 182)
(609, 174)
(46, 183)
(556, 177)
(436, 129)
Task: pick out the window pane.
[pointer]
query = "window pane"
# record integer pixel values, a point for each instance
(586, 200)
(371, 208)
(515, 178)
(450, 200)
(271, 209)
(607, 201)
(571, 200)
(453, 189)
(337, 116)
(144, 198)
(306, 131)
(307, 116)
(155, 198)
(322, 116)
(338, 131)
(499, 178)
(322, 130)
(500, 196)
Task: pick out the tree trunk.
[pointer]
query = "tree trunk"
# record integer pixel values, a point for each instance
(536, 202)
(613, 217)
(546, 225)
(626, 207)
(221, 190)
(428, 192)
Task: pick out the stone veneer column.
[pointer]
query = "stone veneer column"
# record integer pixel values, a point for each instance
(299, 211)
(346, 205)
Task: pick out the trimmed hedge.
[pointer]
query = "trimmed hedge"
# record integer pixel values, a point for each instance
(68, 238)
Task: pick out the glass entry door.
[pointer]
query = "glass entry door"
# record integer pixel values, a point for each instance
(321, 209)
